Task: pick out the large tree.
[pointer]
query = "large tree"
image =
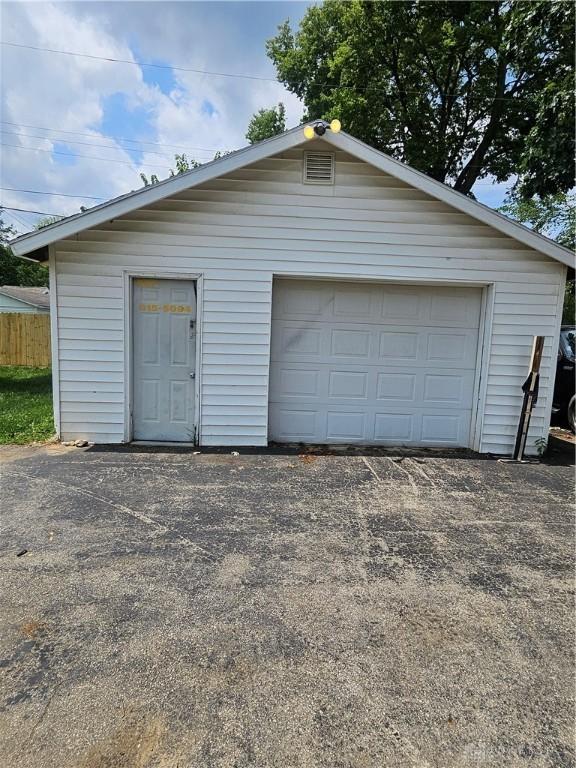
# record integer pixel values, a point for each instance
(183, 165)
(555, 217)
(15, 271)
(266, 123)
(458, 90)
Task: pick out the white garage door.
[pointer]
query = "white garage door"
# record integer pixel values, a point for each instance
(364, 363)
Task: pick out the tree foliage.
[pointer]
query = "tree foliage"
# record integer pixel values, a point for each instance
(15, 271)
(46, 221)
(458, 90)
(266, 123)
(555, 217)
(183, 164)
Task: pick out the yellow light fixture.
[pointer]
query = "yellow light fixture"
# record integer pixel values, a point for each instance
(309, 132)
(335, 126)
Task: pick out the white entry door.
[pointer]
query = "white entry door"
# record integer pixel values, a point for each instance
(388, 364)
(164, 359)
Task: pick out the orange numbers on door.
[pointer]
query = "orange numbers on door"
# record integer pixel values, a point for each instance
(180, 308)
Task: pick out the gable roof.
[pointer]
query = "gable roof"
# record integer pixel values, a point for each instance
(34, 245)
(36, 297)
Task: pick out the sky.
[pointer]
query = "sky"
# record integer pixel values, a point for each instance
(84, 129)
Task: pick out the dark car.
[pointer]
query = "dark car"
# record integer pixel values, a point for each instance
(565, 387)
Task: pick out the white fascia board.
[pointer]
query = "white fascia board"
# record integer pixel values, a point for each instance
(451, 197)
(252, 154)
(152, 194)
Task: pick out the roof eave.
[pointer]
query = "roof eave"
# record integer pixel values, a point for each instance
(34, 245)
(452, 197)
(33, 242)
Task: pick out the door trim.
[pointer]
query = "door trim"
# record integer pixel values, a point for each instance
(482, 366)
(128, 277)
(54, 338)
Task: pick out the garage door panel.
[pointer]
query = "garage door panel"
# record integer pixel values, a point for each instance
(303, 300)
(448, 389)
(352, 301)
(312, 301)
(396, 386)
(355, 371)
(350, 343)
(296, 382)
(390, 344)
(406, 307)
(296, 425)
(437, 428)
(394, 427)
(299, 341)
(452, 348)
(399, 345)
(350, 426)
(388, 425)
(347, 384)
(449, 309)
(422, 386)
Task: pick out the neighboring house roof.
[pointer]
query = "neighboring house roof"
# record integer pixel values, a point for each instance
(35, 244)
(36, 297)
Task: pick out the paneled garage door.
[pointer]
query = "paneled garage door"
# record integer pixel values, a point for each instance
(365, 363)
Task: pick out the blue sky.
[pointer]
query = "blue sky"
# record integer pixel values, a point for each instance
(123, 119)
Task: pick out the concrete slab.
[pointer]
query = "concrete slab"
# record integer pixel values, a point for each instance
(358, 609)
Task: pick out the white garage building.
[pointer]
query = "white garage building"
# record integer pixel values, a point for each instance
(299, 291)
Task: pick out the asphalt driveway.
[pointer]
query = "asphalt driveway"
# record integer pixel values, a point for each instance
(340, 611)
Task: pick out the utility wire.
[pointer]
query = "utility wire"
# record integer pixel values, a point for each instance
(139, 63)
(85, 157)
(52, 194)
(87, 143)
(29, 210)
(111, 136)
(17, 218)
(217, 74)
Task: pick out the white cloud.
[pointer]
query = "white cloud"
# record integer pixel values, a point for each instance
(69, 93)
(43, 89)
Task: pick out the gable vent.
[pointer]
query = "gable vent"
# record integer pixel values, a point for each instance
(318, 168)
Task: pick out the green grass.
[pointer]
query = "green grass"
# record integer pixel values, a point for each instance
(25, 404)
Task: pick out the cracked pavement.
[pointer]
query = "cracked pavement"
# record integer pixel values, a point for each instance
(373, 610)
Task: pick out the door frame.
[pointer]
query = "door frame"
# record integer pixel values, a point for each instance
(484, 331)
(128, 277)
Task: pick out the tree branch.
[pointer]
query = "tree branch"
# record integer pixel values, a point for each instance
(473, 167)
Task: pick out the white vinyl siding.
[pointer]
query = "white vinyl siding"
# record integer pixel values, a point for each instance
(239, 231)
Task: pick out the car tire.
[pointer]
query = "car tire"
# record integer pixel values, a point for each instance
(571, 413)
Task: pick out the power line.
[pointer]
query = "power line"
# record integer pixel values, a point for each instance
(25, 224)
(52, 194)
(28, 210)
(87, 143)
(236, 75)
(111, 136)
(140, 63)
(85, 157)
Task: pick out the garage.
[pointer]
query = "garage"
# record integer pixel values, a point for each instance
(369, 363)
(339, 296)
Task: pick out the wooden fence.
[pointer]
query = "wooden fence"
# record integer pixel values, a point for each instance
(25, 339)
